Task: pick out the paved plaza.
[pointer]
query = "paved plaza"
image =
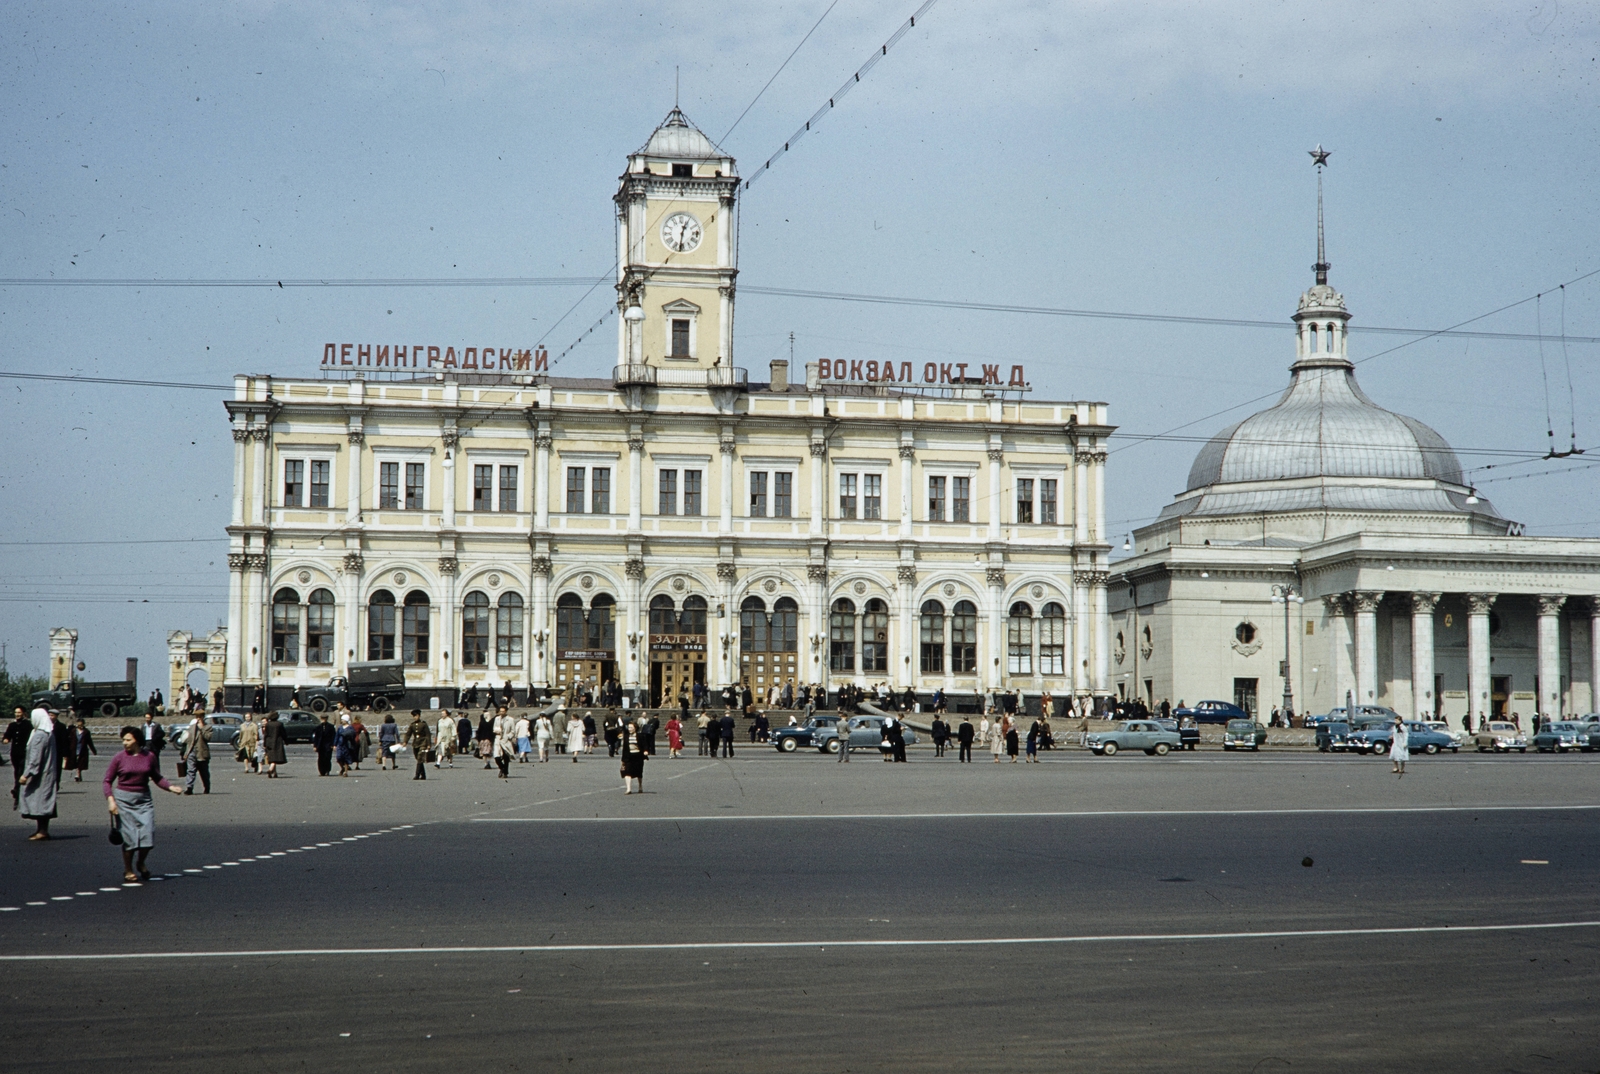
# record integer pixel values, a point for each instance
(1287, 911)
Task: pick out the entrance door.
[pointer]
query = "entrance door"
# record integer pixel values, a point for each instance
(769, 646)
(1499, 694)
(1244, 695)
(677, 649)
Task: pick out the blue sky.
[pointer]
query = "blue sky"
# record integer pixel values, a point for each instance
(1147, 158)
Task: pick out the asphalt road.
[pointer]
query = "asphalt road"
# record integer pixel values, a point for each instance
(794, 914)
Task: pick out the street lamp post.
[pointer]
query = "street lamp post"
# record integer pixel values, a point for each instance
(1286, 595)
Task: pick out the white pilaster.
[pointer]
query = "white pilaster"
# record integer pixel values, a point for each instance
(996, 454)
(725, 516)
(1102, 636)
(907, 503)
(1424, 704)
(548, 485)
(1366, 606)
(236, 638)
(1550, 656)
(263, 483)
(635, 477)
(539, 621)
(819, 479)
(240, 435)
(1478, 682)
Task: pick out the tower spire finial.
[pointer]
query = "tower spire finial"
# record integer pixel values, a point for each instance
(676, 82)
(1319, 160)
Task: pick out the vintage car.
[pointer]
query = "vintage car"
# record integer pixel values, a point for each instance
(1365, 716)
(866, 732)
(1188, 731)
(1502, 736)
(1445, 729)
(1243, 735)
(1561, 737)
(298, 725)
(789, 739)
(1146, 735)
(1419, 739)
(224, 729)
(1212, 712)
(1333, 736)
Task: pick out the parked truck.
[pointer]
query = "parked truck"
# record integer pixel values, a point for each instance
(374, 684)
(87, 698)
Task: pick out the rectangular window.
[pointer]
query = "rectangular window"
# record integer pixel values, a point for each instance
(872, 496)
(1047, 502)
(600, 489)
(294, 482)
(691, 492)
(320, 471)
(414, 479)
(964, 639)
(285, 633)
(414, 633)
(508, 632)
(935, 501)
(483, 488)
(1024, 499)
(1019, 645)
(667, 501)
(961, 499)
(508, 488)
(932, 641)
(782, 495)
(575, 489)
(847, 495)
(680, 337)
(389, 484)
(758, 494)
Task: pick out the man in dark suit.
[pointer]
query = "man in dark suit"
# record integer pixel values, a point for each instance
(726, 727)
(155, 736)
(323, 738)
(964, 736)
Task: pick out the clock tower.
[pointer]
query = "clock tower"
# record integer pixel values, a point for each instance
(675, 263)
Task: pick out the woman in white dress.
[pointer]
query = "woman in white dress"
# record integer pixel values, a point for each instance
(574, 737)
(542, 734)
(524, 740)
(1400, 749)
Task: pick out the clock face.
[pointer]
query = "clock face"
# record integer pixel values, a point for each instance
(681, 232)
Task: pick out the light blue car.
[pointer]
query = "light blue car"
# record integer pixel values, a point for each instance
(1146, 735)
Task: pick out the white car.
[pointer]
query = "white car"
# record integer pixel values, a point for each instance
(1445, 729)
(1501, 736)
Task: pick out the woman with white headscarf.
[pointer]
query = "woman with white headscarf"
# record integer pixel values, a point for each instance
(41, 775)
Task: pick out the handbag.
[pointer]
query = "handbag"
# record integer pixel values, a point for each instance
(115, 835)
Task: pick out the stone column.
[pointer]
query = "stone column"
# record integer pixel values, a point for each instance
(258, 516)
(726, 446)
(903, 653)
(1080, 495)
(542, 442)
(727, 575)
(1550, 656)
(1423, 704)
(1338, 640)
(539, 667)
(638, 647)
(1097, 531)
(635, 477)
(817, 577)
(1478, 682)
(724, 320)
(452, 440)
(1594, 654)
(996, 455)
(255, 614)
(352, 499)
(449, 635)
(349, 634)
(860, 672)
(1102, 633)
(819, 481)
(240, 435)
(1366, 608)
(907, 501)
(236, 638)
(992, 665)
(1082, 632)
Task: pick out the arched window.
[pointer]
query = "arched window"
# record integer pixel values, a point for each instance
(1312, 346)
(602, 625)
(931, 631)
(380, 625)
(693, 618)
(508, 631)
(319, 627)
(286, 627)
(785, 626)
(569, 622)
(414, 629)
(1019, 640)
(875, 636)
(1329, 330)
(964, 638)
(753, 626)
(1052, 639)
(475, 630)
(842, 636)
(663, 616)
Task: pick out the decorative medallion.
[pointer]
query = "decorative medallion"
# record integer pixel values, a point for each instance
(860, 588)
(399, 577)
(770, 585)
(1037, 591)
(679, 584)
(304, 576)
(587, 581)
(494, 580)
(949, 589)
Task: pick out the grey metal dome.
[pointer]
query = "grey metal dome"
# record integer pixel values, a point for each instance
(677, 137)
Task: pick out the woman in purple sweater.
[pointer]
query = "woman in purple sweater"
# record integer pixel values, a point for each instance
(127, 790)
